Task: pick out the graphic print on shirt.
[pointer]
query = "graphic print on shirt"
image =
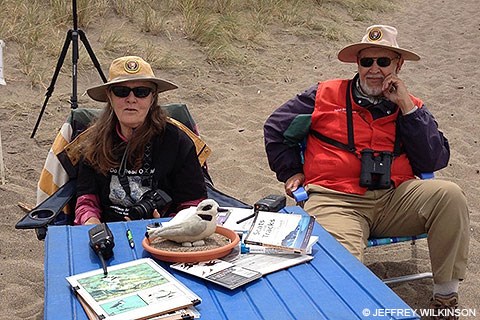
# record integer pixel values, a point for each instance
(139, 182)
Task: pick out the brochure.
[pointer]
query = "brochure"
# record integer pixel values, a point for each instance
(236, 269)
(133, 290)
(218, 271)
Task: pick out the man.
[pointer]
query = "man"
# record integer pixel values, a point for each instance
(367, 139)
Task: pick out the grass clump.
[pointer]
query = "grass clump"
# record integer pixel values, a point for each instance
(226, 30)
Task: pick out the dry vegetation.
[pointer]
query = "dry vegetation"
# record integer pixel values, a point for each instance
(227, 31)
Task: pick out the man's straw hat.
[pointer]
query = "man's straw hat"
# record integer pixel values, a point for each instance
(377, 36)
(127, 69)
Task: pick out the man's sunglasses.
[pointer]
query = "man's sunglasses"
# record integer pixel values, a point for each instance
(382, 62)
(123, 91)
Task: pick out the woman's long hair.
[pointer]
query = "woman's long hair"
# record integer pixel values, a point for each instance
(101, 149)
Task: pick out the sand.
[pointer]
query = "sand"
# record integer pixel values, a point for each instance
(230, 106)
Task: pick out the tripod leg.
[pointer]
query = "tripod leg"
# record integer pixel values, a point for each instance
(84, 39)
(73, 98)
(50, 89)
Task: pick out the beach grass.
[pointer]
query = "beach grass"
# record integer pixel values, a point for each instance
(224, 29)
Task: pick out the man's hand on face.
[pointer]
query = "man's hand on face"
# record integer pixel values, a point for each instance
(395, 90)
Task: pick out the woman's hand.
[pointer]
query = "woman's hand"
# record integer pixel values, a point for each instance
(293, 183)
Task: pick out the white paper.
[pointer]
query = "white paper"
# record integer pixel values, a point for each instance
(2, 79)
(236, 214)
(268, 263)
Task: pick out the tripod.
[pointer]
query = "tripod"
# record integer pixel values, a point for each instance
(72, 37)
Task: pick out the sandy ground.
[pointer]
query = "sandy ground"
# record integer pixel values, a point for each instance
(230, 106)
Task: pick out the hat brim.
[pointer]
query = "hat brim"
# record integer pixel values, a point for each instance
(99, 93)
(350, 53)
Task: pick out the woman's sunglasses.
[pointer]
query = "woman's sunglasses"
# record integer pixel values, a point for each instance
(382, 62)
(123, 91)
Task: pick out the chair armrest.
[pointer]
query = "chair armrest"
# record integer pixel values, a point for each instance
(427, 175)
(46, 212)
(300, 194)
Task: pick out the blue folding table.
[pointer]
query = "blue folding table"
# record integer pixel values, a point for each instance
(334, 285)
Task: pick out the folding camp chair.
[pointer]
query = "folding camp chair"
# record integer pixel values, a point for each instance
(295, 136)
(57, 183)
(300, 196)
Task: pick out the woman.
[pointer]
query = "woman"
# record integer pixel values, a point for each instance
(135, 164)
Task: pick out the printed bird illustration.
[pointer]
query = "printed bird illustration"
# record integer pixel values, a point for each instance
(192, 228)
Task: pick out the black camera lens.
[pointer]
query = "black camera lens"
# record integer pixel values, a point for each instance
(151, 200)
(142, 210)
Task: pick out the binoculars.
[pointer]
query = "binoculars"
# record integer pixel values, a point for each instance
(375, 169)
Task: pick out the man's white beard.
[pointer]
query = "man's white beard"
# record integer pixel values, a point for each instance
(371, 91)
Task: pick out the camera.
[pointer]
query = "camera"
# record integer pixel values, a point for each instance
(101, 241)
(151, 200)
(375, 169)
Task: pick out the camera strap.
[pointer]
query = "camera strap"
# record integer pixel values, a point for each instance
(122, 172)
(350, 147)
(147, 179)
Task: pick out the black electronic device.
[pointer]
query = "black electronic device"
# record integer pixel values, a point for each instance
(272, 203)
(102, 243)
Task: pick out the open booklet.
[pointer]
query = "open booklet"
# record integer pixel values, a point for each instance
(138, 289)
(237, 269)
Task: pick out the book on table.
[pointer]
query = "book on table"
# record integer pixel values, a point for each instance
(139, 289)
(288, 232)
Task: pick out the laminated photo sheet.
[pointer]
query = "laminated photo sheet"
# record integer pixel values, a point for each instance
(132, 290)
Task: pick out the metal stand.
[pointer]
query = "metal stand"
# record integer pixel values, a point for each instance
(72, 37)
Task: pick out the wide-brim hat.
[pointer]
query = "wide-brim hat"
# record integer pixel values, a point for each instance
(128, 68)
(377, 36)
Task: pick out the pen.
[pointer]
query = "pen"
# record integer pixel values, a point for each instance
(130, 239)
(246, 218)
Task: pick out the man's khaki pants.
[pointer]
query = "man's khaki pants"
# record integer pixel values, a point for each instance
(436, 207)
